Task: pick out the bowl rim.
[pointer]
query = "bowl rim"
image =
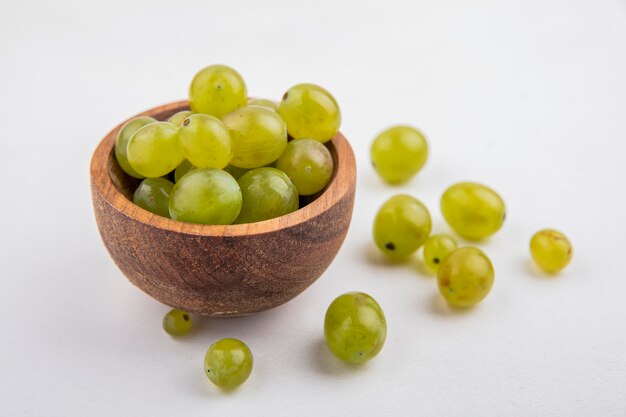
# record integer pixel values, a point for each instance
(342, 182)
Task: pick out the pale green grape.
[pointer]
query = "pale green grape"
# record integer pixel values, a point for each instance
(355, 327)
(205, 141)
(267, 193)
(401, 226)
(153, 194)
(177, 323)
(236, 172)
(473, 210)
(121, 143)
(217, 90)
(465, 277)
(308, 163)
(436, 248)
(263, 103)
(154, 151)
(228, 363)
(399, 153)
(182, 169)
(179, 117)
(206, 196)
(310, 112)
(551, 250)
(259, 136)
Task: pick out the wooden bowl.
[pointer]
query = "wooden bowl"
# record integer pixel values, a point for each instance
(229, 270)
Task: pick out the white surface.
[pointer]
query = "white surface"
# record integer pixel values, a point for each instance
(526, 96)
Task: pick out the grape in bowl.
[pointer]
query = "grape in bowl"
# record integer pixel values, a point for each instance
(220, 270)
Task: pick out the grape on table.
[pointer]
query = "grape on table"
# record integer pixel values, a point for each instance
(228, 363)
(401, 226)
(355, 327)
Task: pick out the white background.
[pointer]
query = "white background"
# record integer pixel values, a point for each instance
(528, 97)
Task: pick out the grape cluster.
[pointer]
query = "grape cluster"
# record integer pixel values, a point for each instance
(230, 158)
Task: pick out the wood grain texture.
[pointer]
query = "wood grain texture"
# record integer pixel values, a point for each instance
(220, 270)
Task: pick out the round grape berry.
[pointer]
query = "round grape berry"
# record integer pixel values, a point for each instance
(401, 226)
(153, 194)
(259, 136)
(551, 250)
(228, 363)
(399, 153)
(473, 210)
(121, 143)
(177, 323)
(308, 163)
(154, 151)
(310, 112)
(355, 327)
(217, 90)
(266, 193)
(206, 196)
(465, 277)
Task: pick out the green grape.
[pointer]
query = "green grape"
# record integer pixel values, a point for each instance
(153, 151)
(121, 143)
(182, 169)
(267, 193)
(473, 210)
(206, 196)
(263, 103)
(205, 141)
(551, 250)
(401, 226)
(236, 172)
(217, 90)
(308, 163)
(436, 248)
(179, 117)
(153, 194)
(177, 323)
(310, 112)
(465, 277)
(259, 136)
(228, 363)
(399, 153)
(355, 327)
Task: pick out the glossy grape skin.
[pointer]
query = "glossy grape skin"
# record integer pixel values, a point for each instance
(267, 193)
(153, 194)
(399, 153)
(355, 327)
(228, 363)
(177, 323)
(259, 136)
(551, 250)
(217, 90)
(465, 277)
(308, 163)
(154, 151)
(263, 103)
(473, 210)
(401, 226)
(206, 196)
(206, 142)
(183, 168)
(310, 112)
(121, 143)
(179, 117)
(436, 248)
